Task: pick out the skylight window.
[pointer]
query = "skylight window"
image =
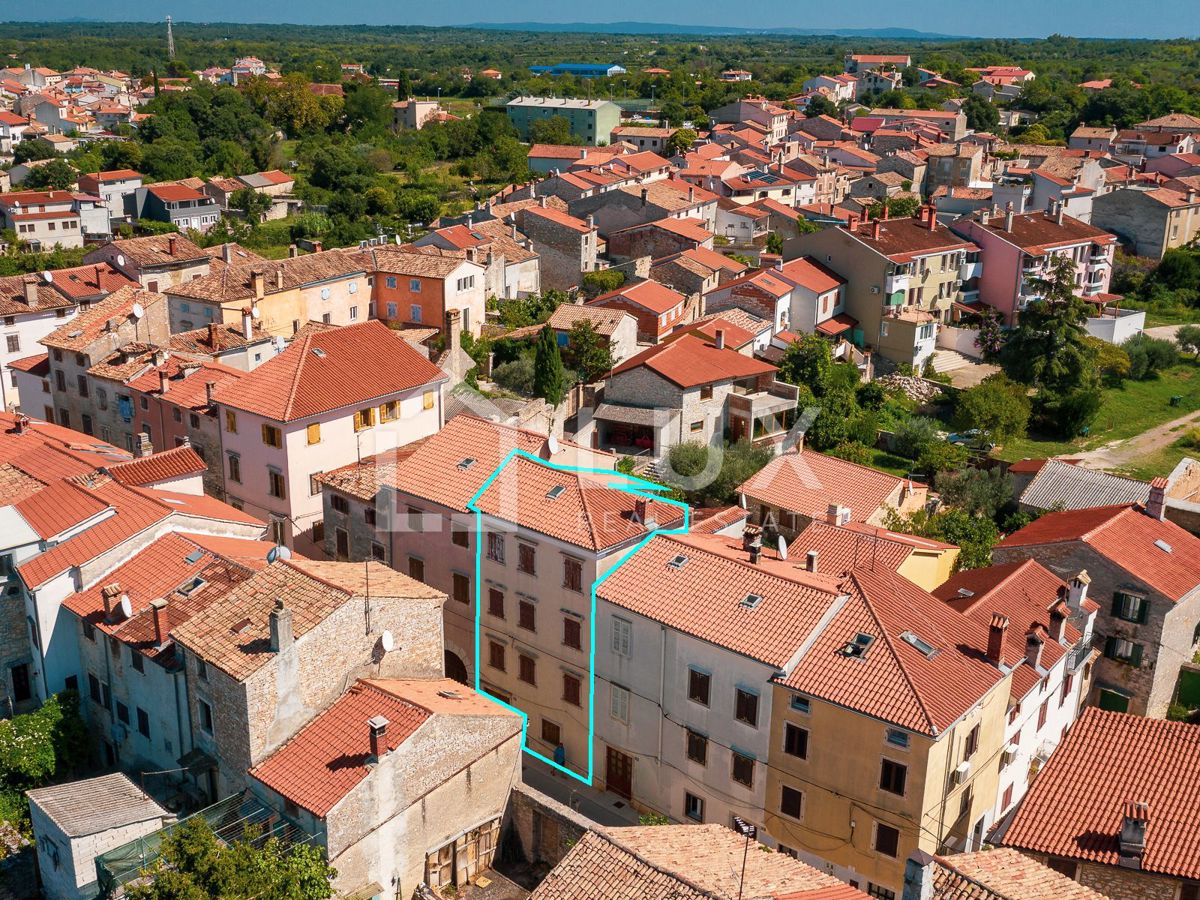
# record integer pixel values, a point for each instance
(858, 647)
(678, 562)
(751, 601)
(317, 351)
(963, 592)
(192, 586)
(925, 648)
(194, 556)
(555, 492)
(1164, 546)
(467, 463)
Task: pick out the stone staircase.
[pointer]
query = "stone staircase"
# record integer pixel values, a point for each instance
(945, 361)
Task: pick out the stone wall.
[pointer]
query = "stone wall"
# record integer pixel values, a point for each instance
(538, 830)
(1121, 884)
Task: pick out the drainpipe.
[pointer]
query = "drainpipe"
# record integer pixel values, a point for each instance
(662, 688)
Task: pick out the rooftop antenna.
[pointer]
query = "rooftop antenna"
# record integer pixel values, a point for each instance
(170, 40)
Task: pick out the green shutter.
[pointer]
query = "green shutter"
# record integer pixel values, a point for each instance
(1116, 604)
(1110, 646)
(1143, 610)
(1135, 659)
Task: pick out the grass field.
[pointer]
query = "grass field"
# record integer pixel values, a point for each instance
(1127, 411)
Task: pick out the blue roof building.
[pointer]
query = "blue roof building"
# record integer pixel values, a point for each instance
(583, 70)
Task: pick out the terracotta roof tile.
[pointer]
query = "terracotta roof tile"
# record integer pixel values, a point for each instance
(154, 250)
(1075, 807)
(604, 321)
(651, 295)
(90, 323)
(1002, 874)
(57, 507)
(162, 466)
(690, 361)
(808, 482)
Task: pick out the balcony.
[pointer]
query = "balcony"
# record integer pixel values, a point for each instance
(897, 283)
(1081, 653)
(969, 270)
(1099, 259)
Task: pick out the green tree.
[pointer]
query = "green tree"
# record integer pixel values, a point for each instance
(774, 243)
(680, 142)
(35, 149)
(552, 130)
(981, 115)
(194, 865)
(975, 536)
(55, 175)
(588, 353)
(997, 406)
(1148, 356)
(549, 377)
(253, 203)
(808, 362)
(820, 105)
(981, 492)
(1188, 338)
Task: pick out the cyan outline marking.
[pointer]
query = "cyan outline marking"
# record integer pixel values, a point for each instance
(637, 486)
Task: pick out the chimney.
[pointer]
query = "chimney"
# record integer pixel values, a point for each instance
(996, 633)
(317, 247)
(691, 194)
(514, 230)
(837, 514)
(720, 338)
(1058, 212)
(645, 195)
(109, 594)
(752, 542)
(99, 274)
(257, 282)
(281, 627)
(866, 215)
(378, 728)
(279, 279)
(852, 222)
(1191, 196)
(1034, 642)
(227, 252)
(22, 424)
(293, 251)
(985, 216)
(213, 330)
(145, 448)
(932, 216)
(877, 229)
(161, 630)
(591, 222)
(247, 323)
(164, 381)
(532, 189)
(1156, 503)
(1059, 613)
(1078, 593)
(1132, 839)
(1008, 217)
(210, 388)
(583, 153)
(31, 292)
(810, 562)
(172, 240)
(542, 202)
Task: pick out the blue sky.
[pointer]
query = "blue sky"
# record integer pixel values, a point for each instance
(983, 18)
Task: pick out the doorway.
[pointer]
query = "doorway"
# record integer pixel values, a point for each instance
(618, 776)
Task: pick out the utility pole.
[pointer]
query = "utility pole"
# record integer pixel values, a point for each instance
(749, 831)
(170, 40)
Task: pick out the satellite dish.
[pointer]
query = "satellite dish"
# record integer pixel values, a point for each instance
(120, 259)
(387, 642)
(552, 443)
(782, 548)
(48, 277)
(126, 607)
(278, 552)
(254, 312)
(137, 310)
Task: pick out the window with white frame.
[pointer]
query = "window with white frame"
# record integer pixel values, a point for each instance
(622, 636)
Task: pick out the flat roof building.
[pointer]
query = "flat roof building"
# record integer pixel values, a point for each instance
(591, 120)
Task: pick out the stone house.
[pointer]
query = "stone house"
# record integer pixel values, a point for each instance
(283, 645)
(566, 246)
(1144, 573)
(658, 309)
(157, 262)
(660, 238)
(695, 272)
(1149, 221)
(512, 268)
(953, 165)
(640, 203)
(616, 328)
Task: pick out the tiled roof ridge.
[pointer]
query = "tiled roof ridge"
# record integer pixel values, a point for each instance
(1021, 567)
(1121, 510)
(317, 578)
(609, 836)
(824, 583)
(883, 633)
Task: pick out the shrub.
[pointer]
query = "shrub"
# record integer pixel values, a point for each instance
(914, 434)
(688, 459)
(997, 406)
(602, 281)
(981, 492)
(941, 456)
(1148, 356)
(854, 452)
(1188, 338)
(1067, 414)
(515, 376)
(871, 395)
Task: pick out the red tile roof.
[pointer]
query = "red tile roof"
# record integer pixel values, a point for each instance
(691, 361)
(171, 193)
(808, 482)
(651, 295)
(324, 370)
(559, 217)
(812, 275)
(1128, 538)
(165, 465)
(57, 507)
(89, 281)
(38, 364)
(1076, 806)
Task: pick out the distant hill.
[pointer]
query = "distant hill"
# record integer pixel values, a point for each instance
(711, 30)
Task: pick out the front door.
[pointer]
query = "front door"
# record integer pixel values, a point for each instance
(342, 540)
(619, 773)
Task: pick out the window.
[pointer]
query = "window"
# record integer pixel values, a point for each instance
(427, 400)
(272, 436)
(460, 587)
(526, 615)
(892, 777)
(89, 631)
(795, 741)
(706, 392)
(527, 669)
(369, 516)
(414, 285)
(1043, 712)
(206, 716)
(572, 574)
(275, 484)
(339, 504)
(201, 669)
(746, 707)
(415, 519)
(458, 536)
(14, 342)
(887, 840)
(82, 383)
(1124, 651)
(622, 637)
(415, 313)
(496, 655)
(314, 433)
(495, 547)
(1129, 607)
(965, 800)
(697, 426)
(972, 742)
(143, 723)
(743, 769)
(572, 633)
(353, 311)
(392, 309)
(526, 559)
(618, 703)
(699, 685)
(571, 689)
(1068, 681)
(879, 891)
(378, 552)
(496, 603)
(137, 661)
(897, 738)
(231, 421)
(364, 418)
(697, 747)
(390, 411)
(1006, 799)
(122, 713)
(693, 807)
(416, 568)
(791, 802)
(551, 733)
(801, 704)
(94, 689)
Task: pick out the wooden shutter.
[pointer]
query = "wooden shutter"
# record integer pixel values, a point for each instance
(1135, 657)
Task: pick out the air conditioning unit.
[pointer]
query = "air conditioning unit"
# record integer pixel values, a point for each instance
(1010, 752)
(874, 289)
(962, 772)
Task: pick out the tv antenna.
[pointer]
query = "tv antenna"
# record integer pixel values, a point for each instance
(170, 40)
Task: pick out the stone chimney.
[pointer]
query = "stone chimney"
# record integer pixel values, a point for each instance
(317, 246)
(591, 222)
(210, 388)
(227, 252)
(22, 424)
(1059, 613)
(281, 627)
(377, 726)
(1078, 592)
(279, 279)
(645, 196)
(1008, 217)
(1135, 816)
(164, 381)
(720, 341)
(172, 243)
(837, 514)
(161, 629)
(293, 251)
(213, 331)
(144, 448)
(31, 292)
(810, 562)
(996, 633)
(258, 283)
(109, 594)
(752, 542)
(1034, 643)
(541, 202)
(1156, 503)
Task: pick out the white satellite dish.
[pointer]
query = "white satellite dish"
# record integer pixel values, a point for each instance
(137, 310)
(48, 277)
(120, 259)
(278, 552)
(126, 606)
(387, 642)
(782, 548)
(254, 313)
(552, 443)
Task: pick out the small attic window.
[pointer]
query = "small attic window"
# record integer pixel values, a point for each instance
(555, 492)
(751, 601)
(678, 562)
(1163, 546)
(858, 647)
(467, 463)
(240, 626)
(925, 648)
(317, 351)
(963, 592)
(190, 587)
